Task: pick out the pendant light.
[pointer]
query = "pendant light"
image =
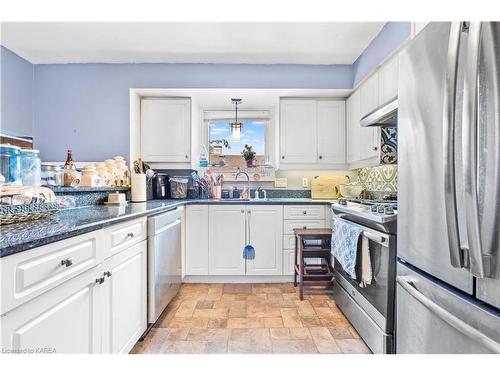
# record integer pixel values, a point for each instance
(236, 126)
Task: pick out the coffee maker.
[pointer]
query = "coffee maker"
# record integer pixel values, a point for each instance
(161, 186)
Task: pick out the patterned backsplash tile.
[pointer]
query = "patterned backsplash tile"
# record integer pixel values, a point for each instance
(382, 178)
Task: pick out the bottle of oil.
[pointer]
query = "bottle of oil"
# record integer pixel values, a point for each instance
(70, 173)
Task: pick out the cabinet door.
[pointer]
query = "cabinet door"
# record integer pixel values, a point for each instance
(226, 239)
(369, 91)
(265, 234)
(353, 127)
(388, 80)
(65, 319)
(298, 131)
(124, 299)
(331, 131)
(166, 130)
(369, 142)
(288, 261)
(197, 240)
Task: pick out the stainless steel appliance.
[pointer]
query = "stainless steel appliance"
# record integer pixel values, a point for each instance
(164, 260)
(384, 115)
(448, 287)
(370, 309)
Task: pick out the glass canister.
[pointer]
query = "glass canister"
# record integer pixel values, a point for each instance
(31, 168)
(52, 175)
(10, 164)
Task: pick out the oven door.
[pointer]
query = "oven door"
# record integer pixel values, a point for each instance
(377, 298)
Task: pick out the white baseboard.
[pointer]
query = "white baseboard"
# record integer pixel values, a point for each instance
(237, 279)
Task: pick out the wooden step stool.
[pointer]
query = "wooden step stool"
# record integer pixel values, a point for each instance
(313, 243)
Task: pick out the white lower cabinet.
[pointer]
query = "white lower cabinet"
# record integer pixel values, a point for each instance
(196, 240)
(226, 239)
(65, 319)
(288, 261)
(265, 234)
(102, 309)
(124, 299)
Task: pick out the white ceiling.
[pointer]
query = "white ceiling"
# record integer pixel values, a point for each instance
(137, 42)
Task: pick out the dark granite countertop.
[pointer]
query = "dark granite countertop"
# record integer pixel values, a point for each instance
(67, 223)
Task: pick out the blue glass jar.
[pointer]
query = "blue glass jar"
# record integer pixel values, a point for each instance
(31, 168)
(10, 164)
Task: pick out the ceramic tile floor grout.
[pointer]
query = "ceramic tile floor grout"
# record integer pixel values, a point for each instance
(250, 318)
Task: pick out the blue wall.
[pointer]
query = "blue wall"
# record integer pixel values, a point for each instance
(16, 109)
(86, 106)
(392, 35)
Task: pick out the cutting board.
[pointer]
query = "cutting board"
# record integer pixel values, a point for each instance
(323, 187)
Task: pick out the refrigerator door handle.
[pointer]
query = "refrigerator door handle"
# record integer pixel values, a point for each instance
(449, 128)
(408, 284)
(470, 139)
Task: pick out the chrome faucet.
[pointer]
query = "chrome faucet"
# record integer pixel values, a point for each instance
(248, 179)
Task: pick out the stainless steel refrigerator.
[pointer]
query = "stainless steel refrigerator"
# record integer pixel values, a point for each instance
(448, 287)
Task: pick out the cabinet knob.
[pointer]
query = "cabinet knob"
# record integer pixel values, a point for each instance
(107, 273)
(242, 211)
(304, 212)
(99, 280)
(304, 227)
(375, 148)
(283, 157)
(186, 156)
(320, 157)
(67, 262)
(130, 234)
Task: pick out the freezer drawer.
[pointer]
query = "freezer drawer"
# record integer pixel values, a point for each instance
(433, 318)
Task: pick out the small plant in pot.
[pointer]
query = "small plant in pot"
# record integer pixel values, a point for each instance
(248, 155)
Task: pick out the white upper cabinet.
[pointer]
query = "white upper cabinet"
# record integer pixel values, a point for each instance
(353, 127)
(265, 234)
(197, 240)
(331, 131)
(369, 91)
(298, 131)
(388, 80)
(312, 132)
(166, 130)
(227, 228)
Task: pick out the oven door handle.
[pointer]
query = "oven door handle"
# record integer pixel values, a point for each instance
(374, 236)
(381, 240)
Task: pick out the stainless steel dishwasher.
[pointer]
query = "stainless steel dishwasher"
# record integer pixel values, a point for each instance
(164, 260)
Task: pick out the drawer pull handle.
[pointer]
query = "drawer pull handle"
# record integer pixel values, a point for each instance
(107, 273)
(67, 262)
(304, 212)
(130, 235)
(99, 280)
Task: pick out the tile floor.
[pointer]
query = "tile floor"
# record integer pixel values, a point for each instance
(250, 318)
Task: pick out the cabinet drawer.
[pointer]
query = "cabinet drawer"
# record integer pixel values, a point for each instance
(290, 225)
(304, 212)
(121, 236)
(28, 274)
(288, 262)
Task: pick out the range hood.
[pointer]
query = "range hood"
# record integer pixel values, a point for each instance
(385, 115)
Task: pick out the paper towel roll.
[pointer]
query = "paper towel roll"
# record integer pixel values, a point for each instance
(138, 181)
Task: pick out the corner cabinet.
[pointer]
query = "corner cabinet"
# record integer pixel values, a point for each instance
(166, 130)
(312, 133)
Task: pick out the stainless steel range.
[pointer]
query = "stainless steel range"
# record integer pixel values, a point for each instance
(370, 308)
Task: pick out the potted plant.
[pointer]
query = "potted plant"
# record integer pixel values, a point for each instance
(248, 155)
